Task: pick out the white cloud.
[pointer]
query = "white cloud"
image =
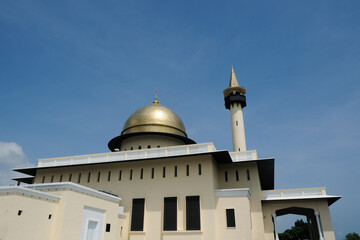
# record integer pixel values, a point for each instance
(11, 156)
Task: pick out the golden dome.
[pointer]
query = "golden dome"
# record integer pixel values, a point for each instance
(154, 118)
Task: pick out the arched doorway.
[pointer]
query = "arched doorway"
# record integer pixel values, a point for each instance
(313, 219)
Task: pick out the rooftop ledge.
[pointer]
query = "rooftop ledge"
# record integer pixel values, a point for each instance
(298, 194)
(143, 154)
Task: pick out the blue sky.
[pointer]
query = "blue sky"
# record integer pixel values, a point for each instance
(71, 72)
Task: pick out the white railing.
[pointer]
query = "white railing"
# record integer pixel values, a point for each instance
(128, 155)
(243, 156)
(293, 193)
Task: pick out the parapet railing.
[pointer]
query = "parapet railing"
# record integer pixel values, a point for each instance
(128, 155)
(293, 193)
(244, 156)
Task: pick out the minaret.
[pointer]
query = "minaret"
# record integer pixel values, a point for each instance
(235, 100)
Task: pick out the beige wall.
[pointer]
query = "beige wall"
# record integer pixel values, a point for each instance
(33, 221)
(253, 184)
(154, 190)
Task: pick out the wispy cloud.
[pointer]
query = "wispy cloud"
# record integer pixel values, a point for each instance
(11, 156)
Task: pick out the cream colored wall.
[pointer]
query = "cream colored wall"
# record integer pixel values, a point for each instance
(32, 224)
(145, 140)
(153, 190)
(242, 229)
(70, 213)
(318, 205)
(253, 184)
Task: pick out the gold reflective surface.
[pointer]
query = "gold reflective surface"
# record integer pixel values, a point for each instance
(154, 118)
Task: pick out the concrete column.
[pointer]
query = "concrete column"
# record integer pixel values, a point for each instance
(321, 236)
(275, 228)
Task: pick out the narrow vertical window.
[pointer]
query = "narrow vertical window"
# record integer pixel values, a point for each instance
(230, 218)
(131, 174)
(137, 216)
(192, 213)
(52, 178)
(164, 171)
(61, 177)
(79, 179)
(187, 170)
(152, 173)
(139, 147)
(237, 175)
(131, 148)
(99, 174)
(141, 173)
(226, 176)
(175, 171)
(199, 169)
(43, 179)
(120, 175)
(170, 214)
(109, 176)
(70, 177)
(89, 176)
(236, 123)
(248, 174)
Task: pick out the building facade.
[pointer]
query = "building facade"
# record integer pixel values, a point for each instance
(156, 183)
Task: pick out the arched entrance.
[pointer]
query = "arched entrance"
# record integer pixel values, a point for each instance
(313, 219)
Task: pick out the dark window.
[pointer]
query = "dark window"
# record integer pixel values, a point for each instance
(49, 216)
(120, 175)
(226, 176)
(89, 175)
(131, 148)
(131, 174)
(230, 217)
(98, 176)
(187, 170)
(52, 178)
(170, 214)
(61, 176)
(248, 174)
(141, 173)
(236, 123)
(149, 146)
(19, 212)
(137, 216)
(192, 213)
(164, 171)
(139, 147)
(79, 179)
(43, 179)
(237, 175)
(108, 227)
(152, 173)
(70, 177)
(109, 176)
(158, 146)
(199, 169)
(175, 171)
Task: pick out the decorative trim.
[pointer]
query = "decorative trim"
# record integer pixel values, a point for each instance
(235, 192)
(74, 187)
(28, 192)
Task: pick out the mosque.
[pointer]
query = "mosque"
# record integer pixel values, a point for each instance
(157, 183)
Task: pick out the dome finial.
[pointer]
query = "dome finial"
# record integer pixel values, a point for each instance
(155, 101)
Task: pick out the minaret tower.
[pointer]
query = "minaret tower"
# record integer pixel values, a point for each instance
(235, 100)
